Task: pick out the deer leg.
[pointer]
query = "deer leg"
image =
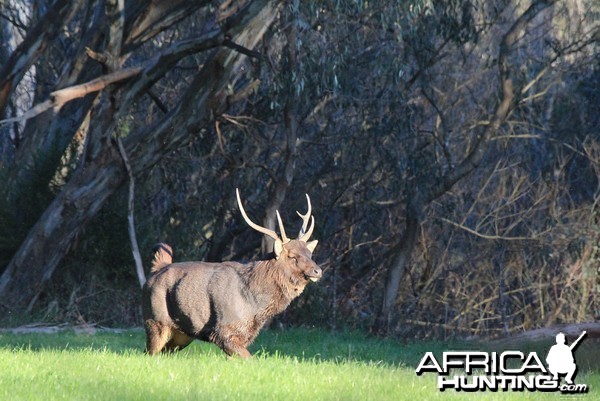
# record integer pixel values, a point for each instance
(235, 349)
(179, 341)
(232, 342)
(157, 336)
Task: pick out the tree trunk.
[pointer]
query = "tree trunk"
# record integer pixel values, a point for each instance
(290, 116)
(101, 170)
(28, 51)
(384, 321)
(50, 239)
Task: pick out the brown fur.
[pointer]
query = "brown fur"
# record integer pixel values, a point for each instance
(223, 303)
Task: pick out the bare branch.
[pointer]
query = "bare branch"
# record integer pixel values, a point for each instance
(157, 101)
(502, 109)
(153, 69)
(31, 48)
(492, 237)
(135, 249)
(154, 17)
(221, 142)
(58, 98)
(250, 53)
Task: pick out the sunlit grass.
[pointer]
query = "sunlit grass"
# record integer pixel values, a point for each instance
(290, 365)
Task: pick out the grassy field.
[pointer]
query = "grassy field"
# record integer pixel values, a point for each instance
(290, 365)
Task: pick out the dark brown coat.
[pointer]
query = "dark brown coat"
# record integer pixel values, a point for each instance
(224, 303)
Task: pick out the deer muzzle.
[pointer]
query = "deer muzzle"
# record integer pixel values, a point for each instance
(315, 274)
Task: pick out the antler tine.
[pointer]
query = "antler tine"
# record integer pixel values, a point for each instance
(284, 237)
(255, 226)
(306, 236)
(305, 217)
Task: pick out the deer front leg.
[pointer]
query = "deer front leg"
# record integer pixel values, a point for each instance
(233, 341)
(237, 350)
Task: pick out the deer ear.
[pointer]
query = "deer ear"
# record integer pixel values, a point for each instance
(278, 247)
(312, 245)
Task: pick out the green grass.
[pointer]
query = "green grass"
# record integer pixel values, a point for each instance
(291, 365)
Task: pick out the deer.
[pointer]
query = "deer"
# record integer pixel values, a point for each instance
(226, 303)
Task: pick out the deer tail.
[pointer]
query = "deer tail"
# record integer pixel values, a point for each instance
(163, 256)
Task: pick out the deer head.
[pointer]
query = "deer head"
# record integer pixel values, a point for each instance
(297, 252)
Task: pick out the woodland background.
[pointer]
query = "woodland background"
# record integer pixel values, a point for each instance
(451, 150)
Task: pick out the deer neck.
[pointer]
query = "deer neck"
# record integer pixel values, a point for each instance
(272, 288)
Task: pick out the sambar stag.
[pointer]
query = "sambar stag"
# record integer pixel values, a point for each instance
(225, 303)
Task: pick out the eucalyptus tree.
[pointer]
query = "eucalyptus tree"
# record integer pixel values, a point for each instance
(100, 62)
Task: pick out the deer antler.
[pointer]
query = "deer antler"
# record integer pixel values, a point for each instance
(255, 226)
(305, 235)
(284, 237)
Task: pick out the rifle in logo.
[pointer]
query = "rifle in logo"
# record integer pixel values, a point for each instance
(509, 370)
(560, 358)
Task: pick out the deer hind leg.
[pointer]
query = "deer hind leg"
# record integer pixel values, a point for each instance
(179, 340)
(157, 336)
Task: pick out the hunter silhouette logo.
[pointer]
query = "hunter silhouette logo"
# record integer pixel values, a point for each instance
(509, 370)
(560, 358)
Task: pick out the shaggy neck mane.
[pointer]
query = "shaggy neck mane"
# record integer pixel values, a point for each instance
(268, 281)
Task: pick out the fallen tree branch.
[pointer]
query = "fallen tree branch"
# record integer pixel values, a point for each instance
(548, 333)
